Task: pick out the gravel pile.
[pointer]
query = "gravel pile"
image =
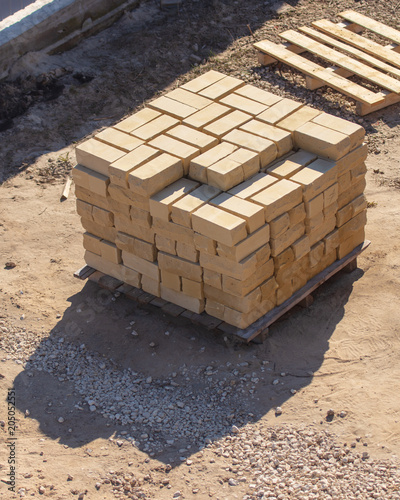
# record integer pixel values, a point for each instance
(285, 463)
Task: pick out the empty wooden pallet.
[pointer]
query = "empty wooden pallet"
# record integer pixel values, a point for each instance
(348, 54)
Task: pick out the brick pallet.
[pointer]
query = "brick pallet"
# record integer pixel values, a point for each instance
(349, 54)
(222, 198)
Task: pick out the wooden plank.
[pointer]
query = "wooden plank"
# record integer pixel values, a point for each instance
(158, 302)
(313, 83)
(84, 272)
(337, 82)
(358, 41)
(173, 309)
(374, 26)
(253, 330)
(390, 98)
(339, 59)
(109, 283)
(359, 54)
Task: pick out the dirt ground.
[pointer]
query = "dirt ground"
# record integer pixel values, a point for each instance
(340, 354)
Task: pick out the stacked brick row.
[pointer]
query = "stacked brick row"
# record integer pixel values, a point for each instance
(221, 197)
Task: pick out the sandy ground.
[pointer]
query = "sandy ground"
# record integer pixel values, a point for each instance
(341, 353)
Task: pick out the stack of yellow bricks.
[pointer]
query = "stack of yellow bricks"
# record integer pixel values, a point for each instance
(221, 197)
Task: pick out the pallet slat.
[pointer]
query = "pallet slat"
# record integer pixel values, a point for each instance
(359, 54)
(358, 41)
(342, 60)
(315, 70)
(375, 26)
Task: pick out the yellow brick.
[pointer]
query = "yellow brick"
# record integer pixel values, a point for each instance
(314, 206)
(252, 213)
(284, 258)
(344, 182)
(268, 288)
(355, 132)
(188, 98)
(279, 111)
(103, 265)
(127, 197)
(171, 107)
(204, 244)
(225, 174)
(322, 141)
(241, 103)
(219, 225)
(325, 262)
(187, 252)
(281, 138)
(351, 209)
(279, 198)
(316, 177)
(241, 270)
(117, 207)
(251, 187)
(150, 285)
(192, 288)
(284, 169)
(358, 172)
(258, 95)
(351, 243)
(161, 203)
(118, 139)
(331, 210)
(248, 159)
(91, 243)
(92, 198)
(331, 241)
(353, 225)
(180, 149)
(331, 195)
(140, 265)
(225, 124)
(104, 232)
(314, 222)
(198, 166)
(155, 175)
(221, 88)
(181, 211)
(279, 225)
(171, 280)
(265, 148)
(284, 292)
(159, 125)
(179, 266)
(126, 225)
(193, 137)
(286, 239)
(130, 276)
(352, 159)
(84, 209)
(137, 120)
(166, 245)
(181, 299)
(97, 155)
(243, 320)
(136, 246)
(103, 217)
(243, 304)
(215, 309)
(173, 231)
(245, 247)
(212, 278)
(206, 115)
(203, 81)
(110, 252)
(240, 287)
(140, 217)
(121, 168)
(298, 118)
(301, 247)
(90, 180)
(351, 193)
(321, 231)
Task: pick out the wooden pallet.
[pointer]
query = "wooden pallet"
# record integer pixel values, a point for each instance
(348, 54)
(255, 332)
